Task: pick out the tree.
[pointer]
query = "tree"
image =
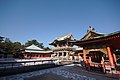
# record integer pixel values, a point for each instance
(47, 48)
(9, 47)
(6, 48)
(35, 42)
(7, 40)
(17, 49)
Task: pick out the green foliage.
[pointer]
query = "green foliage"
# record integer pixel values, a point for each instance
(6, 47)
(16, 47)
(35, 42)
(11, 48)
(46, 48)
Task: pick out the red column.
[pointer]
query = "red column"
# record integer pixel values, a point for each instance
(114, 58)
(69, 56)
(84, 55)
(110, 56)
(78, 56)
(42, 55)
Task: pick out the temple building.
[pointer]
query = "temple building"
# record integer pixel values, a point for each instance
(100, 51)
(62, 47)
(36, 52)
(79, 54)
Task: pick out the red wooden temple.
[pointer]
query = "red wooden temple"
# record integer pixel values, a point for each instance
(62, 47)
(99, 50)
(36, 52)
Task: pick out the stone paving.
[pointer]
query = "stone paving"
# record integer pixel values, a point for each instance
(48, 76)
(61, 73)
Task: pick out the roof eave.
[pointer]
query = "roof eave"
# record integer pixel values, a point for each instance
(96, 38)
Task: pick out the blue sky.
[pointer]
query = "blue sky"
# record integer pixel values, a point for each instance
(45, 20)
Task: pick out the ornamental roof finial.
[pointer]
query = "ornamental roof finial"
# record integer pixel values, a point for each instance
(91, 29)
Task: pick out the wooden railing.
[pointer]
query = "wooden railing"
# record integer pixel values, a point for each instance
(22, 63)
(25, 65)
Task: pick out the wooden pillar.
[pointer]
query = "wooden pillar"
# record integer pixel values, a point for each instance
(110, 57)
(103, 64)
(30, 55)
(41, 55)
(57, 54)
(114, 58)
(78, 56)
(84, 55)
(68, 55)
(62, 55)
(90, 60)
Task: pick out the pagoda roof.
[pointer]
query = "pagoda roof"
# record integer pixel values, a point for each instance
(92, 34)
(96, 38)
(63, 38)
(33, 47)
(102, 36)
(68, 36)
(31, 51)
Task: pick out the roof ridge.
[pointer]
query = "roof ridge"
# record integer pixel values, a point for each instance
(34, 47)
(64, 35)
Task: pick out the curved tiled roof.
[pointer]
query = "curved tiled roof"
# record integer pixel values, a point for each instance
(65, 37)
(31, 51)
(33, 47)
(62, 38)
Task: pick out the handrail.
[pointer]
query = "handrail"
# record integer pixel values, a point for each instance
(4, 62)
(12, 64)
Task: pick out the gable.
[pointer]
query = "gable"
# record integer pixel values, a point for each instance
(68, 36)
(33, 47)
(90, 35)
